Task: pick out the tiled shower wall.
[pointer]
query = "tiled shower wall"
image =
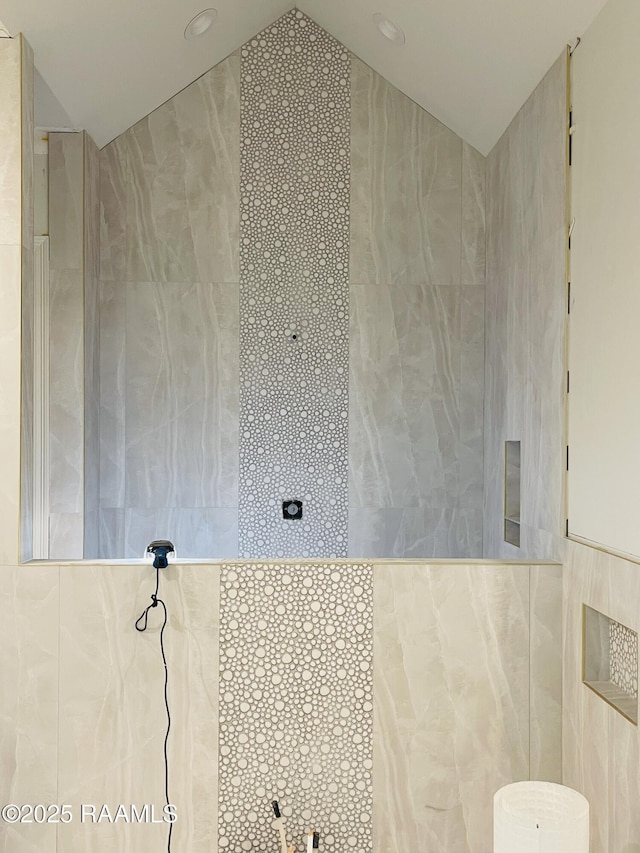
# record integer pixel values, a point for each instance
(417, 330)
(84, 718)
(294, 291)
(526, 313)
(296, 703)
(73, 327)
(221, 334)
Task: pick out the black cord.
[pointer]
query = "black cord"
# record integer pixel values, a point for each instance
(155, 601)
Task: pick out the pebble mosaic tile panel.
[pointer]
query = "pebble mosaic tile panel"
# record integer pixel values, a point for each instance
(294, 264)
(296, 705)
(623, 652)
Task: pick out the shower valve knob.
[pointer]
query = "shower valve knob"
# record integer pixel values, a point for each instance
(160, 548)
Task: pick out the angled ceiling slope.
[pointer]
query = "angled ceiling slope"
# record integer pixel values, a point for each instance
(470, 64)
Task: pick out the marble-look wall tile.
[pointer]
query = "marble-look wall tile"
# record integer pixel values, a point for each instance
(451, 701)
(545, 691)
(10, 299)
(585, 723)
(406, 169)
(111, 742)
(414, 533)
(194, 532)
(181, 395)
(111, 534)
(91, 202)
(624, 785)
(405, 385)
(11, 135)
(112, 384)
(66, 535)
(27, 343)
(71, 304)
(66, 413)
(114, 185)
(66, 205)
(169, 351)
(28, 700)
(416, 421)
(473, 216)
(182, 197)
(16, 263)
(417, 338)
(525, 312)
(471, 447)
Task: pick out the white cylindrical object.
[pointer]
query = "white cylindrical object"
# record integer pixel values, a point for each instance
(540, 817)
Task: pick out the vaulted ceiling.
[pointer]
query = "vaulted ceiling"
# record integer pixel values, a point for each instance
(471, 63)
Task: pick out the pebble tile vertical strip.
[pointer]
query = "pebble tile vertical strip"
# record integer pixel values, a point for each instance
(296, 705)
(294, 265)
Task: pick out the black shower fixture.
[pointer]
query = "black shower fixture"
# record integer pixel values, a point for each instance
(292, 510)
(160, 549)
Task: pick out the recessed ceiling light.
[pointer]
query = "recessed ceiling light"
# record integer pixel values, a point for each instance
(200, 24)
(388, 29)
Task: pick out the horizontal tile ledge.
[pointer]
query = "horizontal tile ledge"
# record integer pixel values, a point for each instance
(615, 697)
(294, 562)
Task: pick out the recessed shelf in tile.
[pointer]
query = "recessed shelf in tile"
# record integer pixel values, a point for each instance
(610, 661)
(512, 492)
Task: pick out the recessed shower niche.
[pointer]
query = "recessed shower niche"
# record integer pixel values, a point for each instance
(222, 220)
(512, 492)
(610, 661)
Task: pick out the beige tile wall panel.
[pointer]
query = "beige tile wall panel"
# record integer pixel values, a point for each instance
(112, 714)
(29, 701)
(16, 254)
(451, 701)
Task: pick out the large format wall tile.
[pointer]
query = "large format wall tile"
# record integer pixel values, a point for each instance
(451, 699)
(72, 323)
(471, 447)
(112, 716)
(10, 298)
(181, 395)
(387, 196)
(545, 692)
(585, 717)
(406, 175)
(11, 135)
(28, 701)
(112, 383)
(193, 531)
(28, 319)
(601, 749)
(66, 415)
(525, 311)
(16, 251)
(473, 216)
(182, 199)
(414, 532)
(438, 719)
(91, 201)
(417, 338)
(66, 200)
(114, 185)
(66, 535)
(168, 332)
(404, 414)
